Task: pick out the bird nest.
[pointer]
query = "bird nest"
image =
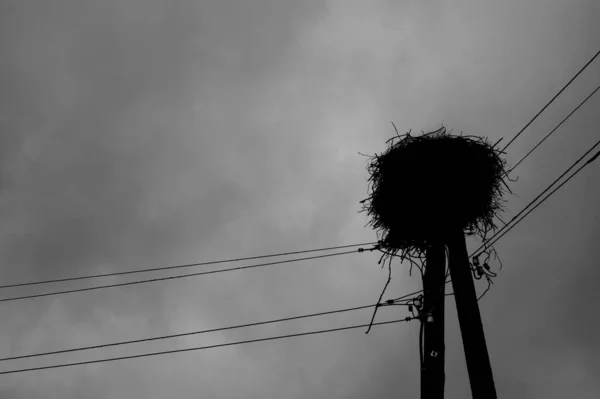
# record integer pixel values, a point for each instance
(423, 187)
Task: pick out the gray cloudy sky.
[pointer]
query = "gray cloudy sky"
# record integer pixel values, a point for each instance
(141, 133)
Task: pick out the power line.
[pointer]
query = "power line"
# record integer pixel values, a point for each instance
(60, 280)
(491, 241)
(552, 192)
(282, 254)
(486, 245)
(62, 365)
(553, 130)
(270, 321)
(265, 264)
(506, 225)
(552, 100)
(135, 341)
(170, 277)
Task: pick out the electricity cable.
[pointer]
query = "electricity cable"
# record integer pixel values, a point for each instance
(271, 321)
(60, 280)
(135, 341)
(170, 277)
(553, 130)
(62, 365)
(552, 100)
(549, 194)
(509, 226)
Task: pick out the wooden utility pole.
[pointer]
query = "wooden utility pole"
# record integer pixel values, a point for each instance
(432, 373)
(469, 319)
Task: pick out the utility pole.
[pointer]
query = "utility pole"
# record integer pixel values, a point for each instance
(432, 372)
(469, 319)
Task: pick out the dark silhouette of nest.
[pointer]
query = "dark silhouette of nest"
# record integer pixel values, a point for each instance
(423, 187)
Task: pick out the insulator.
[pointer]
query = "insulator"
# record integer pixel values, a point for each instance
(410, 308)
(418, 303)
(479, 271)
(430, 319)
(476, 261)
(390, 301)
(487, 267)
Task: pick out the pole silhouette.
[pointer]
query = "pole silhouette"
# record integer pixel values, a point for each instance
(469, 319)
(433, 377)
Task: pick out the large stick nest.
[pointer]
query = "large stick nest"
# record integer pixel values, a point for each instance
(423, 187)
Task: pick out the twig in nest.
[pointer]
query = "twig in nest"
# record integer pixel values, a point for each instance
(414, 263)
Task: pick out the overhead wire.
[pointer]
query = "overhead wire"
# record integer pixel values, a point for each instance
(214, 262)
(53, 293)
(507, 227)
(510, 224)
(279, 254)
(549, 194)
(553, 130)
(206, 331)
(551, 101)
(489, 243)
(158, 353)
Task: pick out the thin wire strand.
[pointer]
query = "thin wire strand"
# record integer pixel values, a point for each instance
(553, 130)
(60, 280)
(169, 277)
(552, 100)
(135, 341)
(112, 359)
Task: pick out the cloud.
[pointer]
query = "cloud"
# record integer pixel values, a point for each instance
(140, 134)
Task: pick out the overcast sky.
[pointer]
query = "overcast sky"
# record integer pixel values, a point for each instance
(144, 133)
